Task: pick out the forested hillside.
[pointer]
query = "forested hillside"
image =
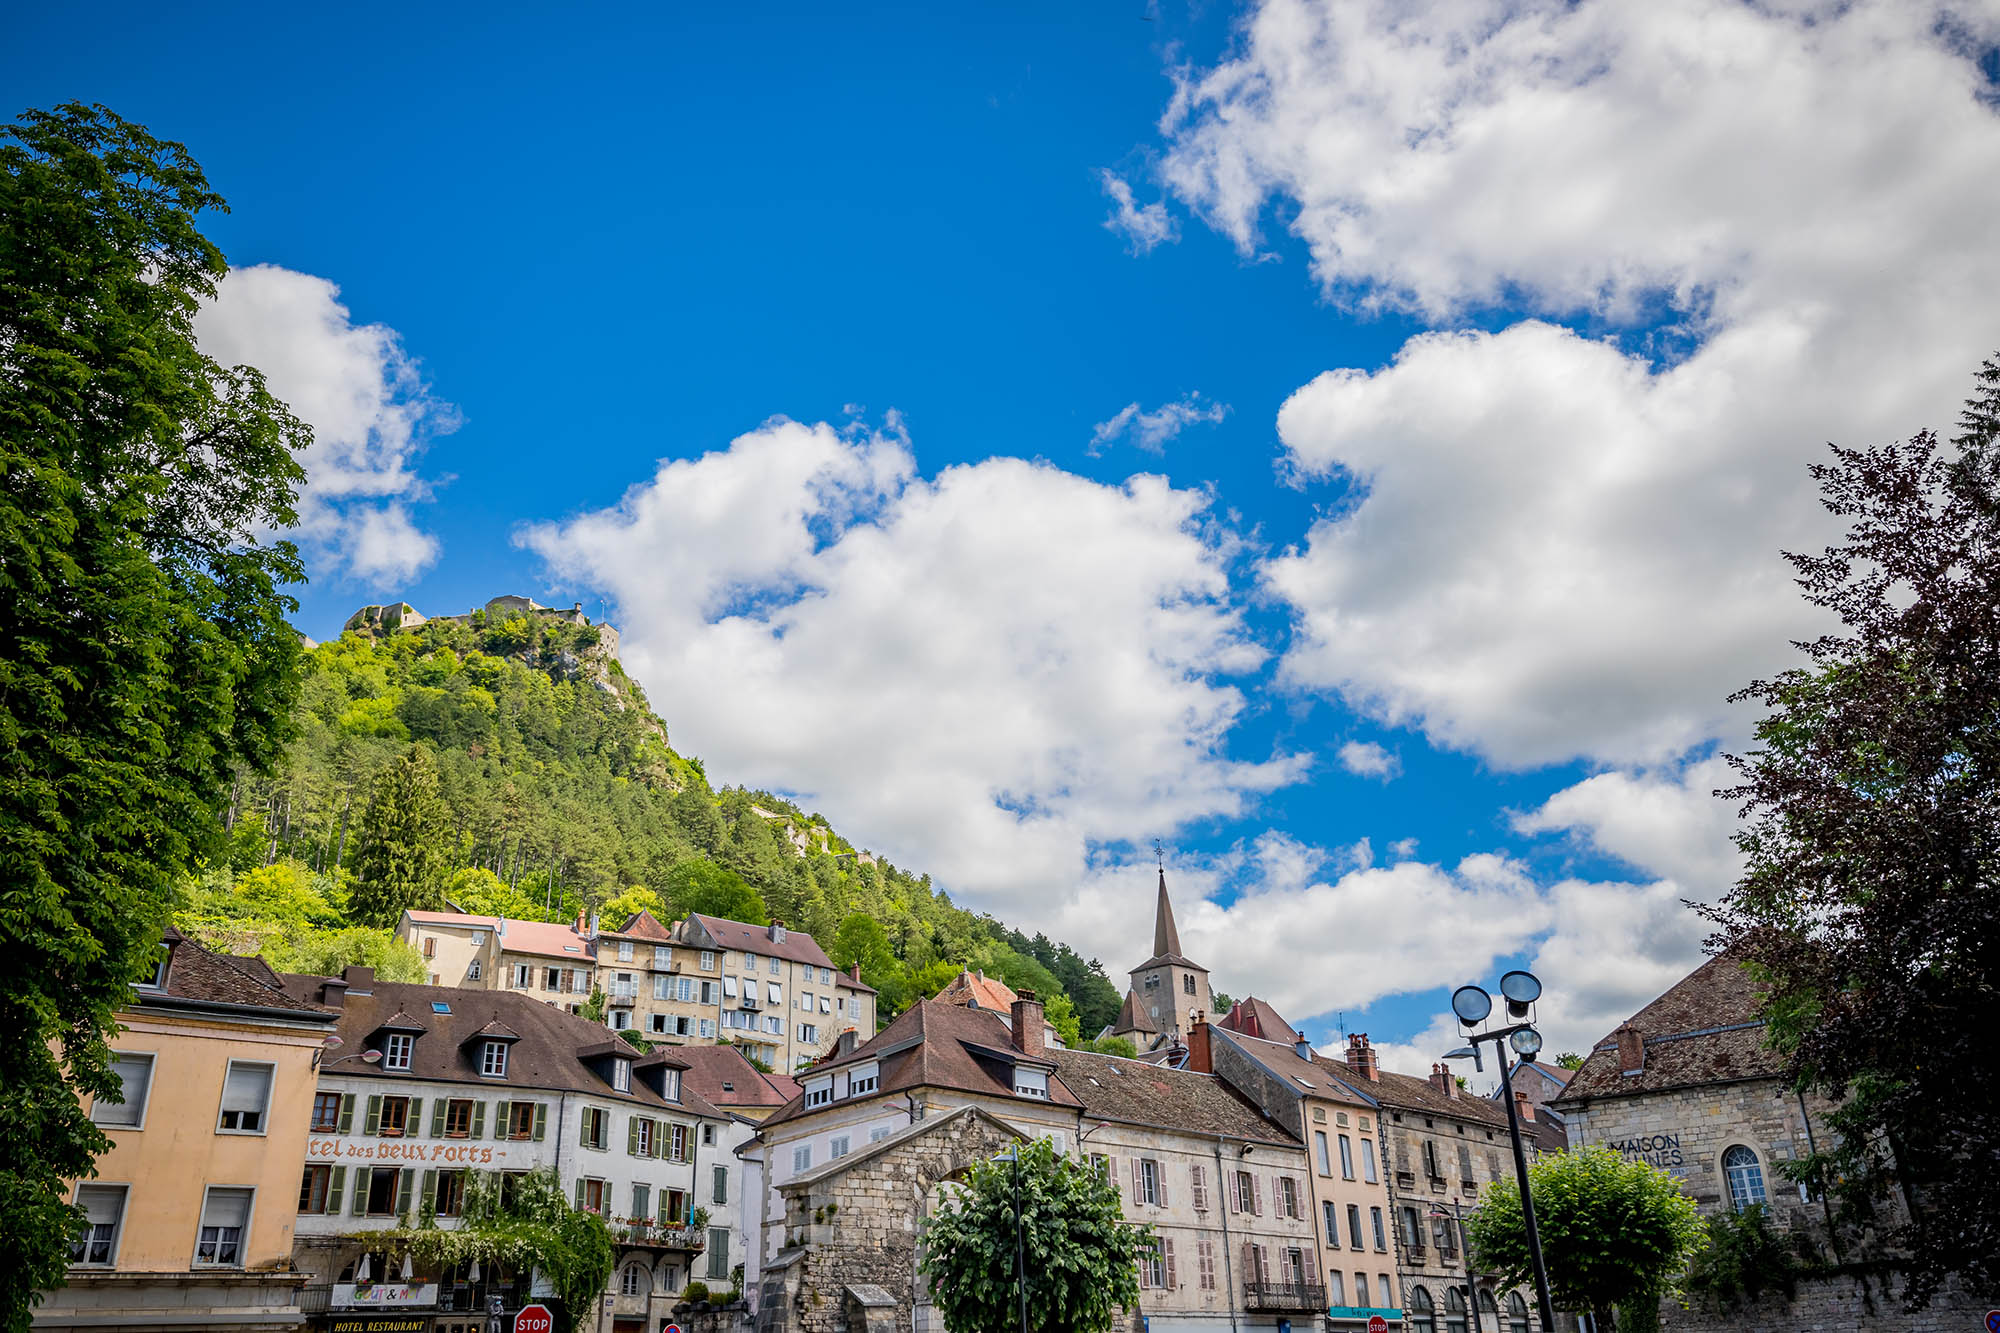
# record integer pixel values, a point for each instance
(514, 767)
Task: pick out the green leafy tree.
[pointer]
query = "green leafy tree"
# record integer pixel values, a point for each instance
(144, 654)
(323, 953)
(617, 911)
(713, 890)
(1569, 1060)
(1870, 900)
(1112, 1046)
(477, 890)
(1221, 1001)
(1081, 1255)
(1616, 1235)
(398, 858)
(596, 1006)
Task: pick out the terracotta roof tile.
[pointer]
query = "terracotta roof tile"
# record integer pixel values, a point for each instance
(545, 939)
(1257, 1018)
(721, 1075)
(978, 991)
(644, 926)
(1133, 1091)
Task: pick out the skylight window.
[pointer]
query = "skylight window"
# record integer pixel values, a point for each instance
(437, 1007)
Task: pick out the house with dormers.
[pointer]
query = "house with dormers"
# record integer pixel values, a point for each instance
(431, 1086)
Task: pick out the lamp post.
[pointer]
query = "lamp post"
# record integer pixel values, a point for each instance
(1472, 1005)
(1013, 1155)
(1457, 1217)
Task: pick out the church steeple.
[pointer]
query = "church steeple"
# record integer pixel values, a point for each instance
(1166, 939)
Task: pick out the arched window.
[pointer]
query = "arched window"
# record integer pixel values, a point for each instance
(1454, 1310)
(1517, 1313)
(1418, 1316)
(633, 1281)
(1745, 1176)
(1486, 1305)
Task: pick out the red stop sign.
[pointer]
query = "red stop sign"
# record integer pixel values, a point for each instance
(1377, 1324)
(534, 1319)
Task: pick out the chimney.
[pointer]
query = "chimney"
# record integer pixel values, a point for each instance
(359, 980)
(1361, 1058)
(1303, 1047)
(582, 926)
(1631, 1050)
(1524, 1107)
(844, 1044)
(855, 971)
(332, 992)
(1028, 1023)
(1442, 1080)
(777, 932)
(1200, 1058)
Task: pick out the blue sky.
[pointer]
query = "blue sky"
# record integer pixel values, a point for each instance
(1484, 390)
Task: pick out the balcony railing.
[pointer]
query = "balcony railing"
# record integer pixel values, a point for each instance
(750, 1002)
(655, 1236)
(1284, 1295)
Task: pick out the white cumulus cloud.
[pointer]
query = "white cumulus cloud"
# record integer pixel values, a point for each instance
(1563, 541)
(1369, 760)
(1152, 430)
(1142, 227)
(364, 396)
(987, 673)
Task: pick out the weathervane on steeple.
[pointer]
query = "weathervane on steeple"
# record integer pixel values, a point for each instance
(1160, 854)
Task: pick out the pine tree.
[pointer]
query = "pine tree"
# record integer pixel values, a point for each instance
(399, 859)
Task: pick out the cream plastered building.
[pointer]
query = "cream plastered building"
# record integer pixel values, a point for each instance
(190, 1215)
(555, 963)
(778, 996)
(656, 988)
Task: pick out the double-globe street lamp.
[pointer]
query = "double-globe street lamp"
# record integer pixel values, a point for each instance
(1473, 1005)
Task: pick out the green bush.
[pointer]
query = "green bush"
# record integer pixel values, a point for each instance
(697, 1291)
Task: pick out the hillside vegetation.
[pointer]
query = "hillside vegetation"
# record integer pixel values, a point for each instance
(515, 768)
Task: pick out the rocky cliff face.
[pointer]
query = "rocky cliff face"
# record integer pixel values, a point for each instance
(564, 642)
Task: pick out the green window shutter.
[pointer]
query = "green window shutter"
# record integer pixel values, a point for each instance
(335, 1179)
(659, 1138)
(500, 1117)
(479, 1120)
(641, 1201)
(541, 1120)
(437, 1118)
(346, 1112)
(405, 1179)
(722, 1184)
(430, 1194)
(361, 1174)
(632, 1136)
(416, 1120)
(374, 1121)
(579, 1193)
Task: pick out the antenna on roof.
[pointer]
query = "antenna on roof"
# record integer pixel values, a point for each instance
(1340, 1021)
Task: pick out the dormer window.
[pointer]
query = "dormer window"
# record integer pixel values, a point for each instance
(819, 1092)
(161, 962)
(396, 1051)
(493, 1059)
(621, 1075)
(670, 1084)
(1031, 1083)
(864, 1080)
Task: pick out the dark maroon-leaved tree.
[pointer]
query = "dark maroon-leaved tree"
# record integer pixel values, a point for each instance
(1871, 801)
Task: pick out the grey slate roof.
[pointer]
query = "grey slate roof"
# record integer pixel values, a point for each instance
(1705, 1029)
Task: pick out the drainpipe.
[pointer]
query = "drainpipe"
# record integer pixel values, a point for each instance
(1825, 1203)
(1222, 1211)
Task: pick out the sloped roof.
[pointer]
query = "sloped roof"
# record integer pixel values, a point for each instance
(1132, 1015)
(1406, 1092)
(1166, 935)
(797, 946)
(722, 1076)
(1304, 1077)
(1705, 1029)
(546, 1056)
(1258, 1018)
(1138, 1093)
(934, 1045)
(550, 939)
(644, 926)
(206, 977)
(978, 991)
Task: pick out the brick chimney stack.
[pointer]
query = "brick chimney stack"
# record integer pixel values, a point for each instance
(1027, 1023)
(1631, 1050)
(1442, 1080)
(1361, 1058)
(1525, 1107)
(1200, 1059)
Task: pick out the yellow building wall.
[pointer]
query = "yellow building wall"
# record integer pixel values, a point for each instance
(170, 1162)
(454, 951)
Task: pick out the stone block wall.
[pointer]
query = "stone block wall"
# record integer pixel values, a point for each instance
(1834, 1305)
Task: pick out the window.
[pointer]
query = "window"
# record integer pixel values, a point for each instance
(1319, 1151)
(1330, 1219)
(135, 1078)
(449, 1200)
(457, 1118)
(878, 1133)
(802, 1158)
(632, 1282)
(774, 992)
(707, 961)
(1204, 1253)
(750, 962)
(313, 1189)
(1418, 1317)
(1413, 1232)
(522, 1118)
(1431, 1167)
(837, 1149)
(624, 951)
(865, 1083)
(686, 990)
(819, 1093)
(1288, 1197)
(721, 1184)
(1198, 1180)
(381, 1196)
(1031, 1083)
(1444, 1233)
(1153, 1265)
(225, 1216)
(1367, 1157)
(591, 1194)
(1354, 1226)
(1375, 1222)
(395, 1118)
(656, 1024)
(1147, 1173)
(621, 1019)
(718, 1252)
(806, 1000)
(396, 1050)
(96, 1243)
(663, 957)
(430, 946)
(1346, 1158)
(326, 1112)
(775, 1024)
(1517, 1313)
(246, 1096)
(1382, 1290)
(1745, 1175)
(621, 1076)
(1248, 1196)
(158, 981)
(854, 1007)
(777, 970)
(524, 975)
(677, 1143)
(1336, 1290)
(591, 1128)
(1454, 1310)
(645, 1137)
